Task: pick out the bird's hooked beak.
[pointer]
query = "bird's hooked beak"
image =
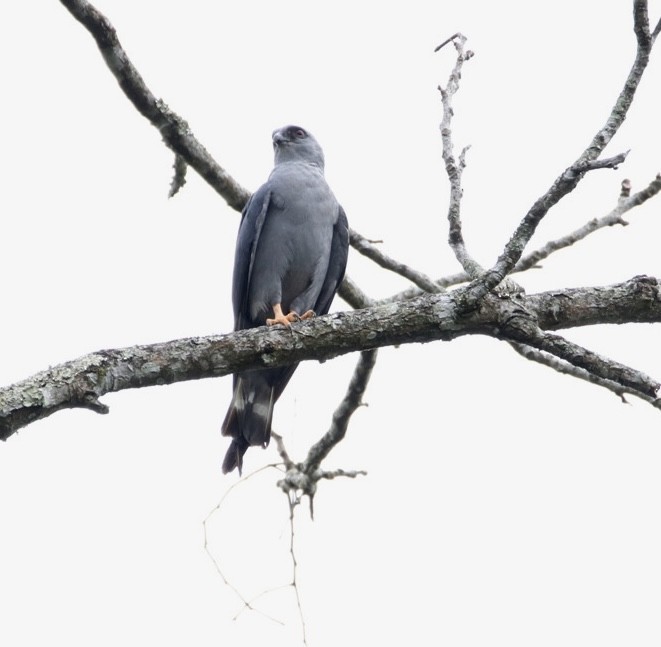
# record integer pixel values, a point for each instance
(278, 138)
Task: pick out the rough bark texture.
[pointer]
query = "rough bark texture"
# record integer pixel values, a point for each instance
(82, 382)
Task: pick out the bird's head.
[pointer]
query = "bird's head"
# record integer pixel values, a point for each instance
(295, 144)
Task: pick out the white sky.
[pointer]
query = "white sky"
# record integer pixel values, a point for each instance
(505, 504)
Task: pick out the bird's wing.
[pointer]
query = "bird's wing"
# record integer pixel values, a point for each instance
(337, 263)
(252, 221)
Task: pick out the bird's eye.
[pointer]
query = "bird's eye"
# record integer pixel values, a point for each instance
(300, 132)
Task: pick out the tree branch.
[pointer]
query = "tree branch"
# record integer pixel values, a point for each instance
(175, 131)
(301, 478)
(614, 217)
(523, 330)
(364, 247)
(454, 169)
(570, 178)
(427, 318)
(352, 400)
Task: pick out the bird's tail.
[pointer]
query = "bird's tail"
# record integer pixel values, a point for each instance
(234, 455)
(248, 419)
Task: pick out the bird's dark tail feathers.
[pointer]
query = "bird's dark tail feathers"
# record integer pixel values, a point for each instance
(248, 419)
(234, 456)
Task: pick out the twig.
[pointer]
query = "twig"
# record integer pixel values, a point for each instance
(364, 247)
(333, 474)
(614, 217)
(447, 40)
(294, 561)
(280, 444)
(609, 162)
(179, 177)
(301, 479)
(656, 31)
(454, 169)
(352, 400)
(247, 604)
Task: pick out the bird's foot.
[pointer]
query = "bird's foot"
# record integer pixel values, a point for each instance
(285, 320)
(308, 315)
(280, 318)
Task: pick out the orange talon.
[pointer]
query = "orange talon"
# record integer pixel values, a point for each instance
(280, 318)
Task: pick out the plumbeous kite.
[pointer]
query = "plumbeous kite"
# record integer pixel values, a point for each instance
(291, 253)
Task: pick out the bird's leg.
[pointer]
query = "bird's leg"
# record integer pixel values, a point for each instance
(280, 318)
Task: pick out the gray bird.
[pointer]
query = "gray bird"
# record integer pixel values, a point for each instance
(291, 253)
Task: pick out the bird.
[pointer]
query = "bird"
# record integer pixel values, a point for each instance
(290, 258)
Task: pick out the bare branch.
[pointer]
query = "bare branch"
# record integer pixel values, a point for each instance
(569, 369)
(179, 177)
(426, 318)
(453, 167)
(333, 474)
(301, 479)
(282, 450)
(247, 604)
(609, 162)
(352, 400)
(614, 217)
(656, 31)
(523, 330)
(294, 577)
(175, 131)
(363, 246)
(570, 178)
(353, 295)
(447, 40)
(641, 25)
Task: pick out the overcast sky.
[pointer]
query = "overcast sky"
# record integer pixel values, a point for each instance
(504, 503)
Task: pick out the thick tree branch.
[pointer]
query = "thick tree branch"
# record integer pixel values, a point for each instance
(82, 382)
